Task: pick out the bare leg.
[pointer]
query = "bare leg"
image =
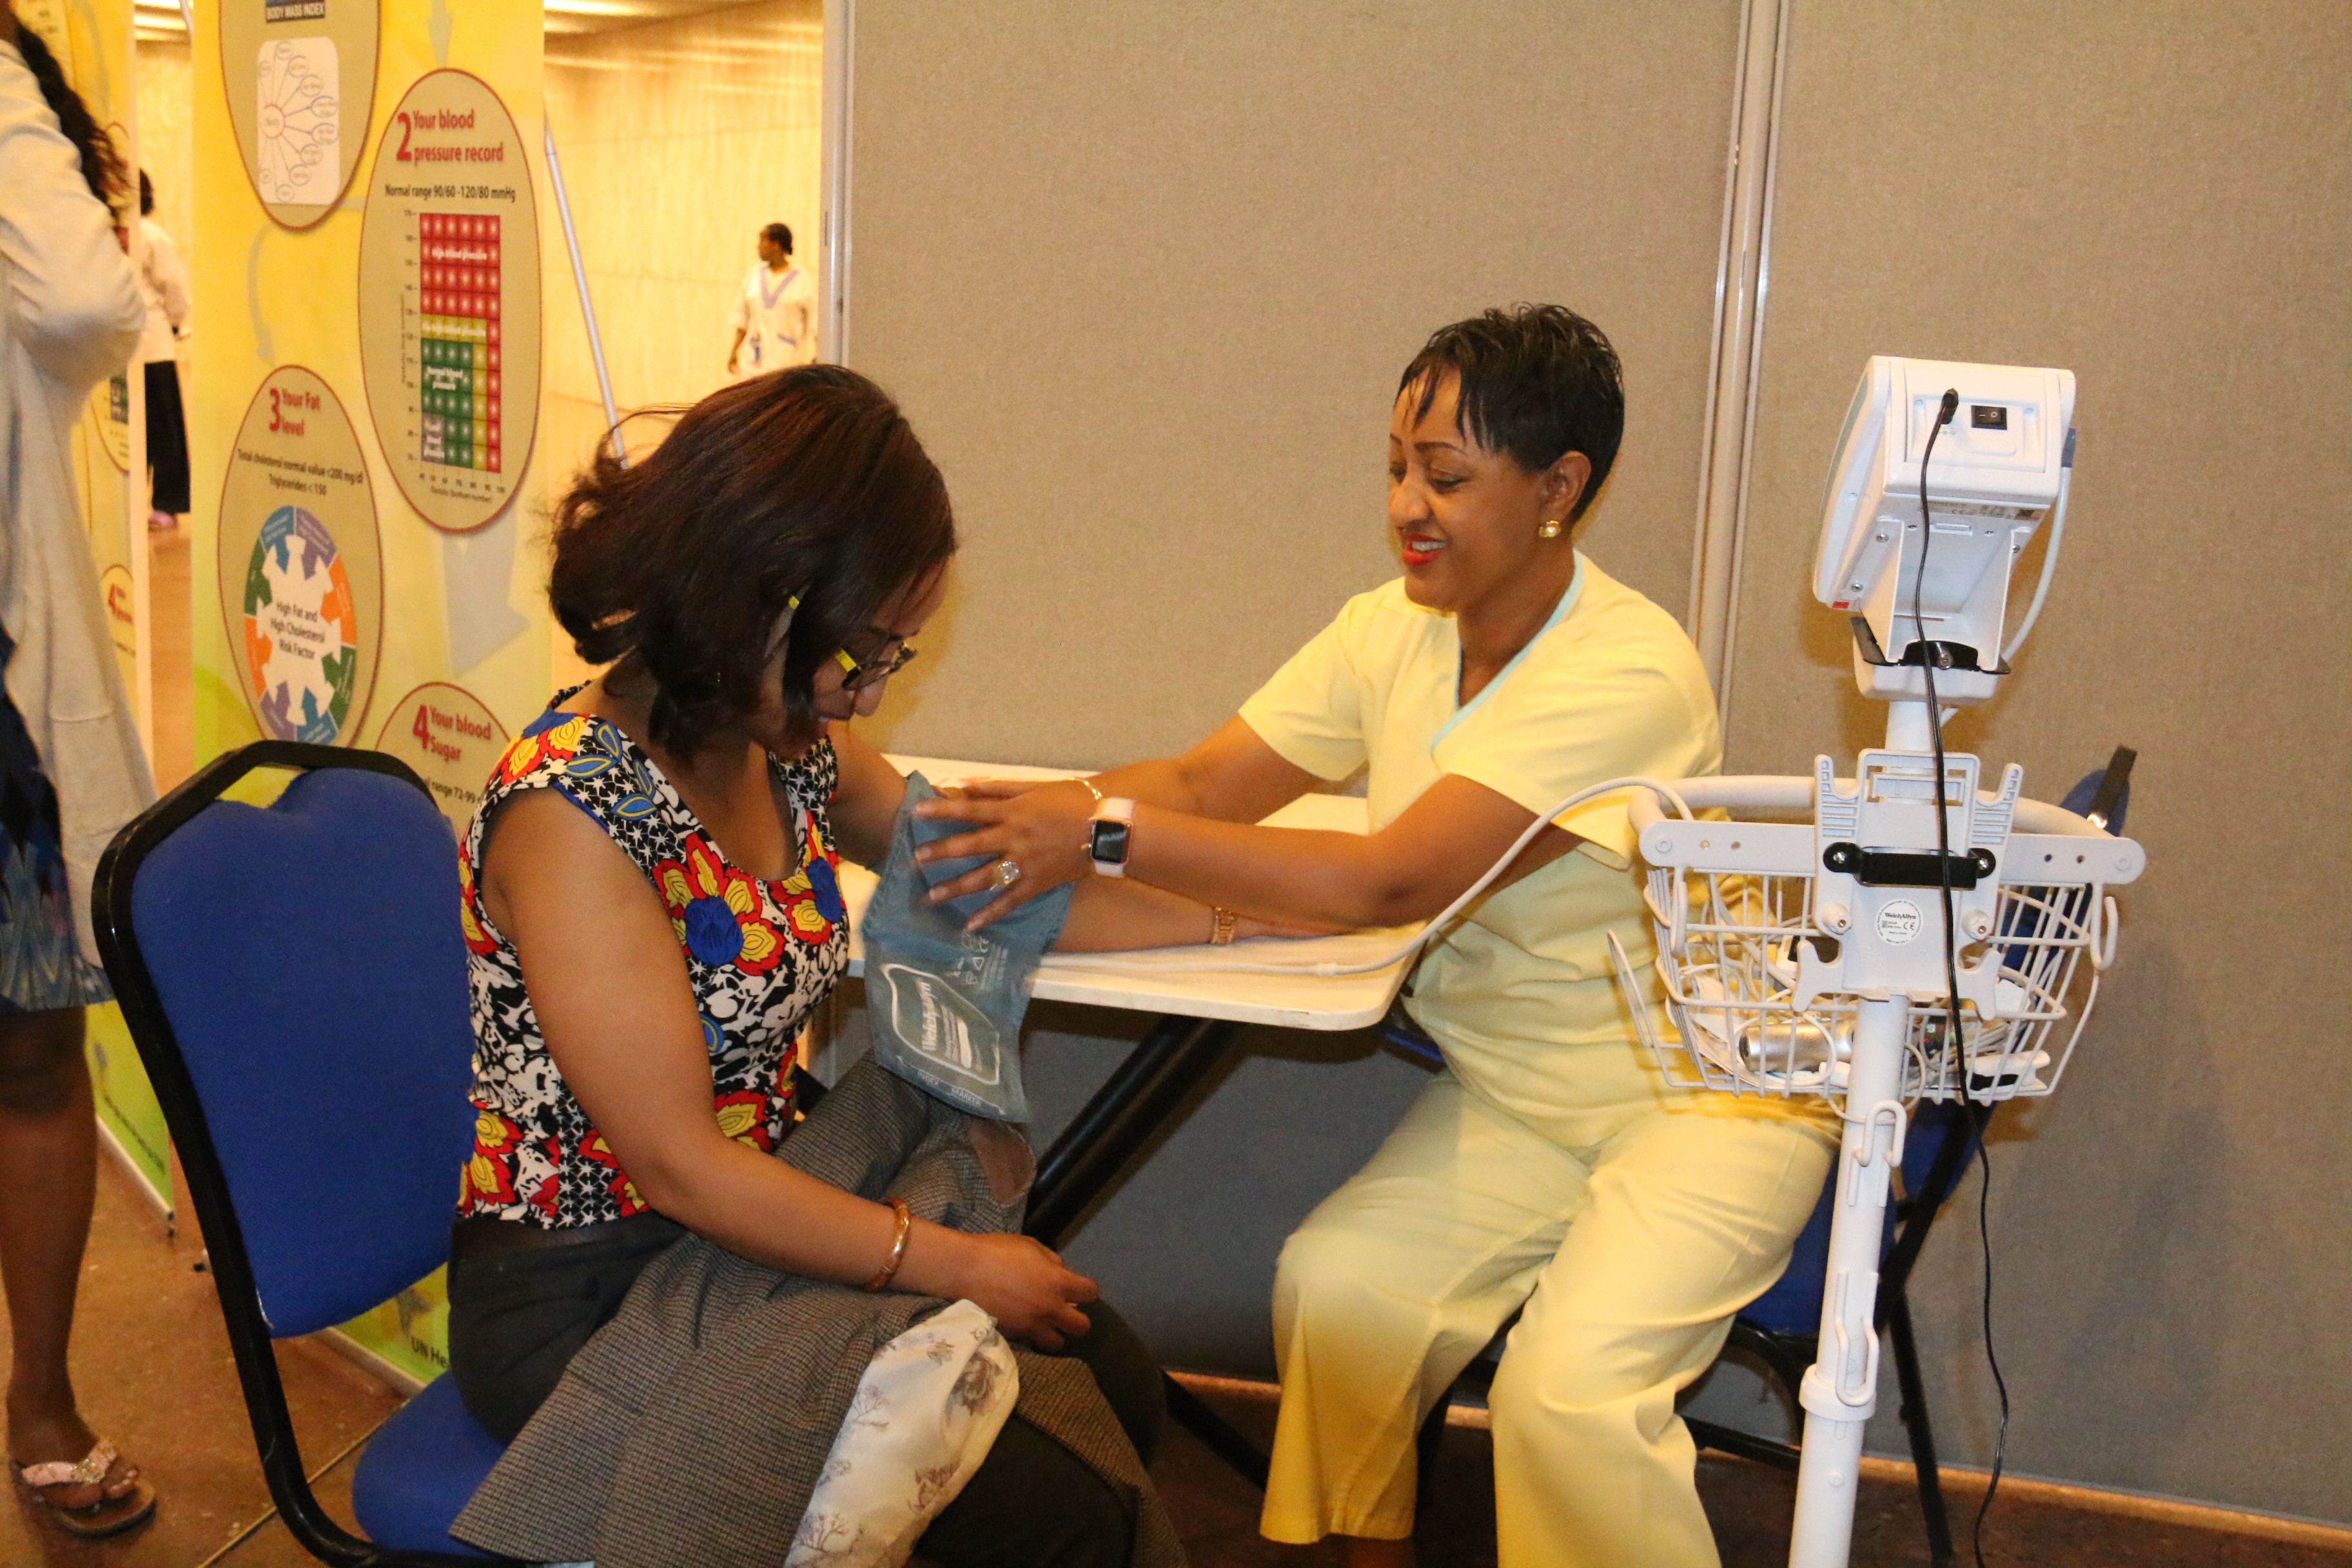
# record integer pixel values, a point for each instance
(1356, 1551)
(49, 1171)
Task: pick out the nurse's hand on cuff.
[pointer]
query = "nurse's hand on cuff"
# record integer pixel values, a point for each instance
(1040, 826)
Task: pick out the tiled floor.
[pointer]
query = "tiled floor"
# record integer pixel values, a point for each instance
(154, 1373)
(151, 1367)
(171, 594)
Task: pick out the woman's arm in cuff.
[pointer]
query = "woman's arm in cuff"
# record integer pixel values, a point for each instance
(865, 803)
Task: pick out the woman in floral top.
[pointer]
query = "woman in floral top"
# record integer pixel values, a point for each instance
(653, 910)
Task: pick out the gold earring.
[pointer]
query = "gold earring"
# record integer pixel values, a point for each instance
(1548, 529)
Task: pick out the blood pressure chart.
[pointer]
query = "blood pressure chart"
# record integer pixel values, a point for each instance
(460, 350)
(450, 301)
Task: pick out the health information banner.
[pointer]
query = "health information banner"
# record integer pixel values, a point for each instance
(370, 502)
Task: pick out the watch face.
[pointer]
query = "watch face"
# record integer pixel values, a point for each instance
(1110, 845)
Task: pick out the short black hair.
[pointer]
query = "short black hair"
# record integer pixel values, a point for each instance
(807, 482)
(1537, 382)
(146, 194)
(782, 233)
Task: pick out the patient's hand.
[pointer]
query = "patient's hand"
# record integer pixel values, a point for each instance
(1021, 1282)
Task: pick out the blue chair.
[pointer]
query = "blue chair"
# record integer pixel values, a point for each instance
(1781, 1327)
(294, 978)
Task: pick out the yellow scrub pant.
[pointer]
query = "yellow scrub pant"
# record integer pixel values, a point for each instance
(1629, 1259)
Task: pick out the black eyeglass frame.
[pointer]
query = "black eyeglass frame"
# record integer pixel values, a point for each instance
(857, 674)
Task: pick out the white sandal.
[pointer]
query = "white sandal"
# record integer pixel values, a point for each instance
(108, 1515)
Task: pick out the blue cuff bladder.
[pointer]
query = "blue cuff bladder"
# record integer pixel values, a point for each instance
(946, 1003)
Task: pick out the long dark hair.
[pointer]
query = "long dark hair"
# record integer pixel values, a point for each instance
(807, 482)
(101, 166)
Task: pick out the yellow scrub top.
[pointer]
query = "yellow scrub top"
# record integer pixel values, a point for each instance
(1521, 995)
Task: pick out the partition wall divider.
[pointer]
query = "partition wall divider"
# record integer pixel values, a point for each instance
(1743, 279)
(833, 198)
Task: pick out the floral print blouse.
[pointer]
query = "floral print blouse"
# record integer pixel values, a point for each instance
(761, 955)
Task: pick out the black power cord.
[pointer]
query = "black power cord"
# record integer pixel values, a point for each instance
(1999, 1384)
(1932, 657)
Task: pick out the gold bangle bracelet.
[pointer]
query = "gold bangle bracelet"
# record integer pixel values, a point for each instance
(1088, 785)
(1221, 925)
(898, 1246)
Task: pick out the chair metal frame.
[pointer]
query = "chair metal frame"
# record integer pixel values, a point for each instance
(250, 1342)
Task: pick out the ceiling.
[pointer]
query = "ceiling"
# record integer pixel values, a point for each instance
(568, 19)
(162, 21)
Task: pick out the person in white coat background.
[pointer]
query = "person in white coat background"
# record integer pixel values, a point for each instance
(71, 770)
(775, 317)
(163, 285)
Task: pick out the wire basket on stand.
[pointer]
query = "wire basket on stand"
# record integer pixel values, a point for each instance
(1754, 976)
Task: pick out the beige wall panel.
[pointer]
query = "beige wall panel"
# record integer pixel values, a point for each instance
(2157, 197)
(1144, 276)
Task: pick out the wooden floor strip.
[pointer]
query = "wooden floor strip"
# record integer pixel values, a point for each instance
(1962, 1479)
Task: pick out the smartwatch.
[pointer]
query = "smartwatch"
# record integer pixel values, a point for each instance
(1106, 837)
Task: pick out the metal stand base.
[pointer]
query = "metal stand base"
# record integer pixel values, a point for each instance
(1097, 1148)
(1193, 1412)
(1112, 1127)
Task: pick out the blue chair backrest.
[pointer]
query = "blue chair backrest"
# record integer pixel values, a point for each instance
(2085, 794)
(309, 958)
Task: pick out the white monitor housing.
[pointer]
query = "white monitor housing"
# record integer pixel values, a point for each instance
(1999, 468)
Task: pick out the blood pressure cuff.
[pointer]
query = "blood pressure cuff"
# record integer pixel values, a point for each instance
(946, 1003)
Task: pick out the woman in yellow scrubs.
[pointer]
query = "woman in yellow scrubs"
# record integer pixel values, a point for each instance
(1549, 1170)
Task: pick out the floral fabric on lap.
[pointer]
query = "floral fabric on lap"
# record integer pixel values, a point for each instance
(762, 956)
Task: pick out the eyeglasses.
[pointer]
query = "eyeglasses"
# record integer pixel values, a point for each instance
(857, 674)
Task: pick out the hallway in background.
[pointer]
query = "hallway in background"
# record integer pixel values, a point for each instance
(680, 140)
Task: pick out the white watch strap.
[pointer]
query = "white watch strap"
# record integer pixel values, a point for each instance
(1119, 809)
